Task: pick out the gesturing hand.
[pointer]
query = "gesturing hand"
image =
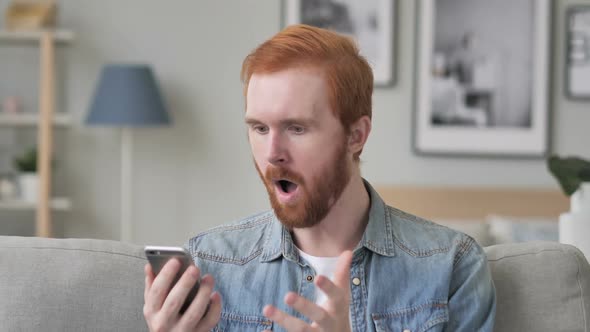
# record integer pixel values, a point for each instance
(332, 315)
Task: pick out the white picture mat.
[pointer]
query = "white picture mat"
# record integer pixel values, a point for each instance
(382, 65)
(578, 72)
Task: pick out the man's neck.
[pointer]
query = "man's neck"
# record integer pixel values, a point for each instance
(342, 228)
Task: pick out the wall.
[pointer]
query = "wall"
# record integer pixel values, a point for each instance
(199, 173)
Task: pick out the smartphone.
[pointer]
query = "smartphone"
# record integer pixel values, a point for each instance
(158, 256)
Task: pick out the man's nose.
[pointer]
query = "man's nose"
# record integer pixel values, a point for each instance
(277, 152)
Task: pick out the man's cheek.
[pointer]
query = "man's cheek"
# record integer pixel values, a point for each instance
(258, 158)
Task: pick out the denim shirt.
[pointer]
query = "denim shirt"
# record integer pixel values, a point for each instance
(407, 274)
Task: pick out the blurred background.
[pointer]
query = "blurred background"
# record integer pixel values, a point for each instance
(198, 172)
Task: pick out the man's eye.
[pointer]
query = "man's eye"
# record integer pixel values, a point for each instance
(297, 129)
(261, 129)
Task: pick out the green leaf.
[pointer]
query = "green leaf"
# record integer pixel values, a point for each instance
(569, 172)
(27, 162)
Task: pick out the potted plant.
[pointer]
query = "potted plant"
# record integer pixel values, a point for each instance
(570, 172)
(573, 175)
(28, 180)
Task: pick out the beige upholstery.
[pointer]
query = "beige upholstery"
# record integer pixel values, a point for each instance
(97, 285)
(70, 285)
(541, 286)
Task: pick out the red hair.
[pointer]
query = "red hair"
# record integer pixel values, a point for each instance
(348, 75)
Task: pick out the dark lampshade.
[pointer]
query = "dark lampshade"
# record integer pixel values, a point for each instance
(127, 96)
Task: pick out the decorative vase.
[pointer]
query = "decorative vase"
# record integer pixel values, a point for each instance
(574, 226)
(29, 187)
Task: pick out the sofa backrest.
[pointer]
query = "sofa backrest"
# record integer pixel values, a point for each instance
(540, 286)
(70, 285)
(97, 285)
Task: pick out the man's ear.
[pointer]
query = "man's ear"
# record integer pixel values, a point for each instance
(358, 134)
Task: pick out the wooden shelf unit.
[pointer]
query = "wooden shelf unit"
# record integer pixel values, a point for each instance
(59, 36)
(45, 120)
(56, 204)
(32, 120)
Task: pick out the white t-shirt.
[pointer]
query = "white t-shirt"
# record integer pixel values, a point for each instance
(325, 266)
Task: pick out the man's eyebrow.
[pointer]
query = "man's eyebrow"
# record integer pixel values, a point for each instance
(251, 121)
(284, 122)
(298, 121)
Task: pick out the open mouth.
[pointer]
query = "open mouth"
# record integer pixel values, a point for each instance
(286, 186)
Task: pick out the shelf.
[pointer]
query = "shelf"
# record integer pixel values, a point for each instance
(47, 80)
(58, 204)
(61, 36)
(32, 119)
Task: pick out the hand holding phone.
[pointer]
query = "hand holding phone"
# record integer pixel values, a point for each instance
(158, 256)
(164, 293)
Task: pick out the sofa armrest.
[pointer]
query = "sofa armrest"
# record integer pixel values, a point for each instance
(540, 286)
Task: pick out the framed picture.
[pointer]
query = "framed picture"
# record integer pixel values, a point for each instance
(369, 22)
(481, 78)
(578, 53)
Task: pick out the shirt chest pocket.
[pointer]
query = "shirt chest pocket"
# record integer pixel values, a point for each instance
(243, 323)
(430, 316)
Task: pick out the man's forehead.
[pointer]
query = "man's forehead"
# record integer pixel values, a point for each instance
(290, 78)
(308, 112)
(294, 92)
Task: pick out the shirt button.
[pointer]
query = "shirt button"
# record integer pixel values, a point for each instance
(309, 278)
(356, 281)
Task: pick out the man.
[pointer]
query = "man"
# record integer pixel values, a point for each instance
(330, 256)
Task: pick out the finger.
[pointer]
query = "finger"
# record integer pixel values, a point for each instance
(161, 285)
(334, 293)
(308, 309)
(342, 272)
(212, 315)
(149, 279)
(196, 310)
(149, 271)
(285, 320)
(179, 292)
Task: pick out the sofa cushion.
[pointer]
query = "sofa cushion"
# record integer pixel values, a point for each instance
(477, 229)
(541, 286)
(70, 285)
(507, 229)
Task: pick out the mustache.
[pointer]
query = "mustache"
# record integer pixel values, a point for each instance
(277, 172)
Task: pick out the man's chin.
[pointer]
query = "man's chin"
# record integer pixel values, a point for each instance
(289, 217)
(295, 219)
(293, 223)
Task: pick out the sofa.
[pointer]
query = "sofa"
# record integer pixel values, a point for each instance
(500, 229)
(97, 285)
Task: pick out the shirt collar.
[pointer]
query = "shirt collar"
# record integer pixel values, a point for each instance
(378, 236)
(278, 242)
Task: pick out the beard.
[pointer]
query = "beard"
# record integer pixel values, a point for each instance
(315, 198)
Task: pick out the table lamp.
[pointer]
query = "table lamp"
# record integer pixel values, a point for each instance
(127, 96)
